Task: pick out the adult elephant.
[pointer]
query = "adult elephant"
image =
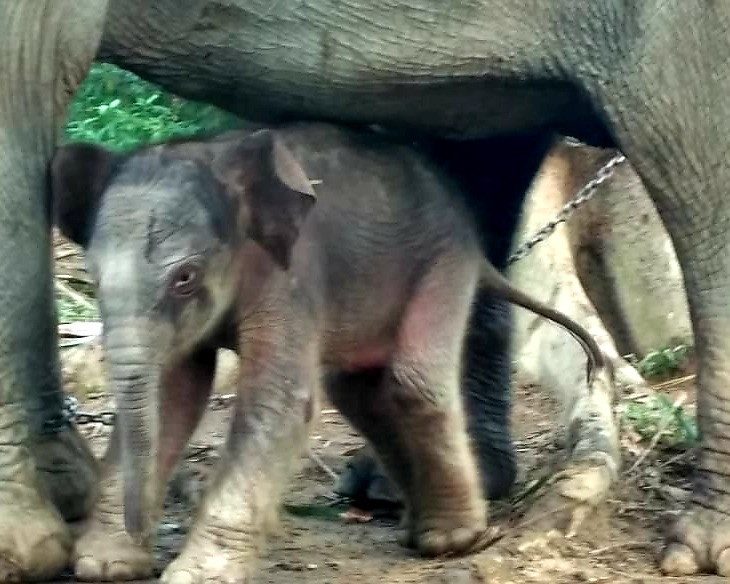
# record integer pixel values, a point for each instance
(651, 78)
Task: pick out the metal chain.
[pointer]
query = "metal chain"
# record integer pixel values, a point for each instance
(72, 414)
(583, 195)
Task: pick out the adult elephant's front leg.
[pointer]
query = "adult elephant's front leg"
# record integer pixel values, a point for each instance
(46, 48)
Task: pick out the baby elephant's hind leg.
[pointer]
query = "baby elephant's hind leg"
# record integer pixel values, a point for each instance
(412, 413)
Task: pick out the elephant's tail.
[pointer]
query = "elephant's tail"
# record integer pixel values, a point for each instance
(493, 281)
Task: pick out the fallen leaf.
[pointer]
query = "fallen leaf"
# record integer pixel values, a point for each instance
(355, 515)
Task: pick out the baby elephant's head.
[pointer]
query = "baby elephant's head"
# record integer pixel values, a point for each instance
(162, 228)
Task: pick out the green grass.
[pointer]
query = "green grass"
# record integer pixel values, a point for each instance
(120, 110)
(664, 362)
(70, 311)
(647, 418)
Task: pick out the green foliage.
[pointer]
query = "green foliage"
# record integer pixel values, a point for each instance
(120, 110)
(647, 418)
(71, 311)
(664, 362)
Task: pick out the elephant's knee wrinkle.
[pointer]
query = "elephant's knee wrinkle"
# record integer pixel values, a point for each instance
(415, 387)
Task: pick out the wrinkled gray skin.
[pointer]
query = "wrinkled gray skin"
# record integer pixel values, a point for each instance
(47, 473)
(648, 77)
(196, 246)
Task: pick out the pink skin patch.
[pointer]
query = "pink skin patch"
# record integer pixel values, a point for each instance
(366, 357)
(427, 317)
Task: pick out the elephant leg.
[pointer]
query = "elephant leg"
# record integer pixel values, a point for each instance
(46, 48)
(277, 401)
(697, 217)
(700, 540)
(486, 390)
(436, 476)
(494, 176)
(105, 551)
(412, 413)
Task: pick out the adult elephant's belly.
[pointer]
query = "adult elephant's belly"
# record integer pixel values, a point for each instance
(475, 108)
(461, 70)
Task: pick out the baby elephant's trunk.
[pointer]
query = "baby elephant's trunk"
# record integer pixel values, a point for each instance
(135, 380)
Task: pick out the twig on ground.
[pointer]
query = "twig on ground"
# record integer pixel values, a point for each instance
(323, 465)
(639, 577)
(65, 254)
(673, 382)
(77, 276)
(616, 546)
(77, 297)
(676, 458)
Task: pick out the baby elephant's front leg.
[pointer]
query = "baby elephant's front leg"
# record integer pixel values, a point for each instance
(276, 402)
(105, 551)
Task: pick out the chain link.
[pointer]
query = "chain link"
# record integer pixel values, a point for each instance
(583, 195)
(71, 412)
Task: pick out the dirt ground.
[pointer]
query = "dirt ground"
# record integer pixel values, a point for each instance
(317, 545)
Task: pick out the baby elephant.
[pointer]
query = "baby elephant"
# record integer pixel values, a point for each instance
(200, 244)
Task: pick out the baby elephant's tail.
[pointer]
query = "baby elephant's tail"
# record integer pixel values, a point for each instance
(497, 284)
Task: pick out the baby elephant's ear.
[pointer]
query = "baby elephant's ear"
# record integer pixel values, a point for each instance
(79, 174)
(277, 195)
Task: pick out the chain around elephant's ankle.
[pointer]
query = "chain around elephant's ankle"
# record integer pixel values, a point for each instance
(51, 413)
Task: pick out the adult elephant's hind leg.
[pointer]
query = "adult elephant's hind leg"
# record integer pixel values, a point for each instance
(46, 47)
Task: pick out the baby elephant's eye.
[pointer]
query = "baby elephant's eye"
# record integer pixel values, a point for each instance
(185, 280)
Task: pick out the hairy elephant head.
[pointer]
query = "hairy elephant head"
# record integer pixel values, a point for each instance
(163, 229)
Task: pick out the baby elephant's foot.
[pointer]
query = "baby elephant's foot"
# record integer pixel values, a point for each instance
(105, 553)
(698, 542)
(451, 531)
(206, 559)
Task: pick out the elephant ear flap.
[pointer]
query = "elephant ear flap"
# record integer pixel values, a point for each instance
(79, 173)
(275, 193)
